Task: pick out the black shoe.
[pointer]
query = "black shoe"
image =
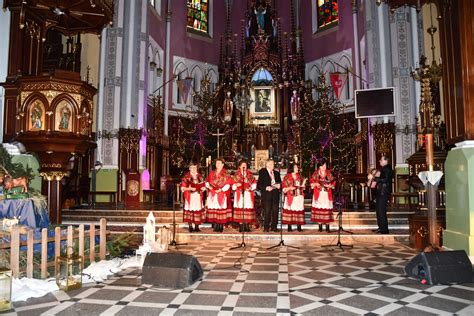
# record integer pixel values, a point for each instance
(276, 230)
(327, 228)
(247, 227)
(384, 232)
(320, 227)
(376, 230)
(266, 230)
(190, 228)
(299, 228)
(289, 228)
(196, 228)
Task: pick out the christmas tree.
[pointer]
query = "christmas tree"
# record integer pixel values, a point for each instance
(322, 132)
(194, 139)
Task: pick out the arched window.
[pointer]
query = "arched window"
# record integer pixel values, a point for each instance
(262, 77)
(198, 15)
(327, 12)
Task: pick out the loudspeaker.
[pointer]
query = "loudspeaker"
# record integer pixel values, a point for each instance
(441, 267)
(171, 270)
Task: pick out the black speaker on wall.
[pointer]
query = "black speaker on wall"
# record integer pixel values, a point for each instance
(441, 267)
(171, 270)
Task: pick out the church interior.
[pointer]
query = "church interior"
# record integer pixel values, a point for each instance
(239, 157)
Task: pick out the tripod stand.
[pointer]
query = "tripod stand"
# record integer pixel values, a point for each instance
(177, 201)
(242, 244)
(340, 229)
(282, 242)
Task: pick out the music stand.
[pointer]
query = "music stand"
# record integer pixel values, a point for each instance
(242, 244)
(282, 242)
(176, 201)
(340, 229)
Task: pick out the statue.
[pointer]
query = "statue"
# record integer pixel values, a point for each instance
(228, 107)
(260, 13)
(295, 105)
(270, 151)
(252, 152)
(65, 115)
(149, 230)
(9, 183)
(36, 117)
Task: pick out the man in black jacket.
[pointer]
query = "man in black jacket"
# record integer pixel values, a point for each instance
(269, 184)
(384, 190)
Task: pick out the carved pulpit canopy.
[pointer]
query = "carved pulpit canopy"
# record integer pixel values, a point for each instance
(68, 17)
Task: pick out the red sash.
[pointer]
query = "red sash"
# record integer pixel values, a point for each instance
(217, 182)
(247, 182)
(188, 182)
(316, 178)
(289, 181)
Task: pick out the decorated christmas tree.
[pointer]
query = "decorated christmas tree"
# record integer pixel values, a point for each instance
(195, 133)
(323, 132)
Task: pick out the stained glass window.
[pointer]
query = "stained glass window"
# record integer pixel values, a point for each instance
(327, 13)
(198, 15)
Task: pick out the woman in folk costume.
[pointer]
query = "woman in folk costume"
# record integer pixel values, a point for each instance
(244, 185)
(192, 186)
(218, 183)
(322, 183)
(293, 208)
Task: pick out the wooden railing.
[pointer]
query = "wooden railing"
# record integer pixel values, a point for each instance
(15, 244)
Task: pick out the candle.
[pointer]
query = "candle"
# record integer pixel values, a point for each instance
(429, 152)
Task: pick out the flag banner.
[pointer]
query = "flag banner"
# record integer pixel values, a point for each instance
(338, 81)
(184, 86)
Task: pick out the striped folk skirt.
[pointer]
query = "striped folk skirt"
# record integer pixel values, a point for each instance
(321, 209)
(294, 213)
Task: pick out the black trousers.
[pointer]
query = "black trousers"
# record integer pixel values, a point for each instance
(381, 209)
(271, 203)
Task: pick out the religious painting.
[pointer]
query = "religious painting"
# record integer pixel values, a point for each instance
(263, 106)
(63, 117)
(36, 116)
(261, 157)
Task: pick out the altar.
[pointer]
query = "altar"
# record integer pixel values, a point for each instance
(32, 212)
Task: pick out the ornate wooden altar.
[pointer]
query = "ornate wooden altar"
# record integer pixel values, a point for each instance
(262, 78)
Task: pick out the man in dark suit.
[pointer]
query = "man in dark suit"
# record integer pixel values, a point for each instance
(384, 190)
(269, 184)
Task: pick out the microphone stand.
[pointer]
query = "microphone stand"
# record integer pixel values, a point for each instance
(176, 201)
(242, 244)
(340, 229)
(282, 242)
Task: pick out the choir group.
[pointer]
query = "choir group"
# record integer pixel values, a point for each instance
(219, 185)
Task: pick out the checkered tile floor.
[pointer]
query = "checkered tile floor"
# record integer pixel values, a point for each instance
(311, 280)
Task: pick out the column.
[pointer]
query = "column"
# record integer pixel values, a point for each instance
(5, 27)
(404, 44)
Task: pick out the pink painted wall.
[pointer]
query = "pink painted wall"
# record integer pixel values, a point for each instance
(157, 24)
(329, 41)
(192, 46)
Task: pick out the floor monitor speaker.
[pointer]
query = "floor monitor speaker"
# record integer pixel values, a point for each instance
(441, 267)
(171, 270)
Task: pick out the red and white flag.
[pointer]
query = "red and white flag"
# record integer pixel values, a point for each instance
(338, 80)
